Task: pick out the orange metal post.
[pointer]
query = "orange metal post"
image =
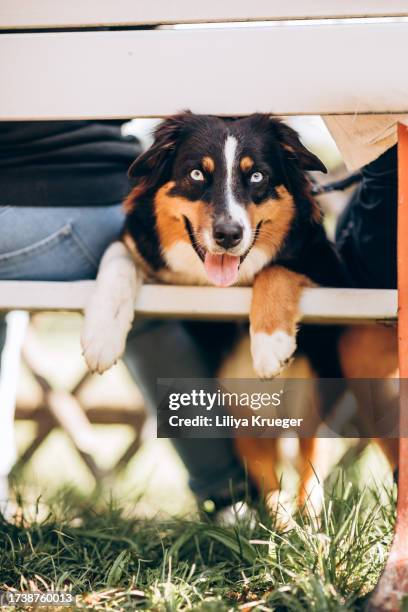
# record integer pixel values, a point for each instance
(393, 585)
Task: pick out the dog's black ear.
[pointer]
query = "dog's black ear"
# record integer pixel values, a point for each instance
(153, 167)
(290, 141)
(153, 163)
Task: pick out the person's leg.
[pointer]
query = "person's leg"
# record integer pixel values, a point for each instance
(54, 243)
(366, 234)
(64, 244)
(366, 237)
(58, 244)
(170, 349)
(45, 244)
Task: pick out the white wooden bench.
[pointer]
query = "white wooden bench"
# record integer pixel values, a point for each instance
(165, 301)
(56, 63)
(124, 72)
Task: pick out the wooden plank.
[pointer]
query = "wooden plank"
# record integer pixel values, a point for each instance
(116, 415)
(166, 301)
(392, 588)
(324, 69)
(77, 13)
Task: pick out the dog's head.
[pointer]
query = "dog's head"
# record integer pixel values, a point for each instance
(225, 192)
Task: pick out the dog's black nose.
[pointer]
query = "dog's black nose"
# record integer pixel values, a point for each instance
(227, 234)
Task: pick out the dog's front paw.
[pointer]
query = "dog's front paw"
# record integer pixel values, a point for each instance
(101, 348)
(271, 352)
(104, 334)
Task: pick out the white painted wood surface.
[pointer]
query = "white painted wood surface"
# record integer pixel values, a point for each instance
(54, 13)
(344, 68)
(287, 70)
(17, 323)
(165, 301)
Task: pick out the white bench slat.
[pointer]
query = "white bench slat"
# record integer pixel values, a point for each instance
(317, 306)
(233, 71)
(77, 13)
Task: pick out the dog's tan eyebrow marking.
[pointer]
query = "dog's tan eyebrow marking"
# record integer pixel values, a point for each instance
(208, 164)
(246, 163)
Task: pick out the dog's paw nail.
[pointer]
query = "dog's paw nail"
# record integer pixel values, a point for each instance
(271, 352)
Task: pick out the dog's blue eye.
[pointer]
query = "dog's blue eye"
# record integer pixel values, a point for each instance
(256, 177)
(197, 175)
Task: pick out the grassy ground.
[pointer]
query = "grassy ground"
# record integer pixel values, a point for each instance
(148, 549)
(119, 562)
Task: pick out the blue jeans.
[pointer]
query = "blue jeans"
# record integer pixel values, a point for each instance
(66, 244)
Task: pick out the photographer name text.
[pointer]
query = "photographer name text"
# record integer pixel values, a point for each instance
(231, 422)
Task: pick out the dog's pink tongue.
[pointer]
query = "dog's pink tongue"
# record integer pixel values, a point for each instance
(222, 270)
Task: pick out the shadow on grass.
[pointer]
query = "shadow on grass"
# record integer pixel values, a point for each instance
(118, 562)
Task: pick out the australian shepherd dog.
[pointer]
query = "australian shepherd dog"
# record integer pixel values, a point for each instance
(223, 202)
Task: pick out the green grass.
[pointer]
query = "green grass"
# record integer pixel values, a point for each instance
(129, 555)
(119, 562)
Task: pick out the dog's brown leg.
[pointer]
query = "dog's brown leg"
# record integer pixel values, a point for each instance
(274, 317)
(273, 321)
(260, 456)
(368, 351)
(313, 460)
